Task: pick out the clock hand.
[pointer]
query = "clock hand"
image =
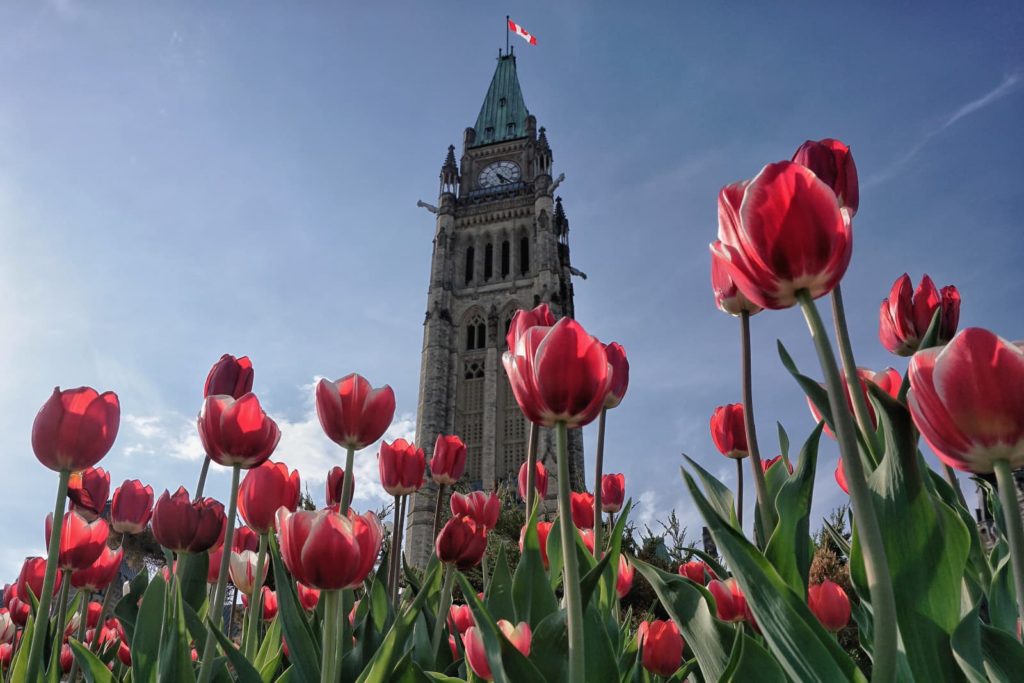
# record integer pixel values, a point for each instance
(502, 178)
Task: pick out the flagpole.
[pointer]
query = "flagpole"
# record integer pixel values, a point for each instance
(507, 19)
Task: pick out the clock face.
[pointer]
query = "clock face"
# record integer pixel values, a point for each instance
(500, 173)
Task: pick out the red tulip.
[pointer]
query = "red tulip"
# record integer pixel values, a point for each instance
(841, 477)
(887, 380)
(460, 618)
(624, 579)
(181, 525)
(402, 467)
(967, 400)
(453, 646)
(524, 320)
(728, 430)
(111, 634)
(237, 431)
(352, 413)
(519, 635)
(461, 542)
(66, 658)
(620, 374)
(695, 571)
(765, 464)
(213, 566)
(7, 626)
(540, 480)
(903, 318)
(448, 462)
(661, 646)
(780, 233)
(483, 508)
(97, 576)
(93, 613)
(369, 535)
(81, 541)
(242, 569)
(88, 491)
(308, 597)
(543, 529)
(587, 536)
(33, 570)
(832, 161)
(559, 374)
(265, 489)
(336, 484)
(124, 654)
(244, 538)
(6, 654)
(269, 603)
(582, 509)
(728, 296)
(229, 376)
(729, 600)
(131, 507)
(20, 610)
(320, 548)
(830, 604)
(613, 491)
(75, 428)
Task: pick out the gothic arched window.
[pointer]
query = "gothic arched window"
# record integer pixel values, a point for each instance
(469, 409)
(506, 256)
(470, 257)
(476, 334)
(488, 261)
(524, 255)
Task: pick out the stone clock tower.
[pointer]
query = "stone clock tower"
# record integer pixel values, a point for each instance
(500, 244)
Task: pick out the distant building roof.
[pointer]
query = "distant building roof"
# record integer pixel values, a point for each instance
(503, 114)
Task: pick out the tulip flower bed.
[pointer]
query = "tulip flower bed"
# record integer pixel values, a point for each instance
(327, 597)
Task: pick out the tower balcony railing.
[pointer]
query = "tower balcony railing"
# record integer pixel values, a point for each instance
(491, 193)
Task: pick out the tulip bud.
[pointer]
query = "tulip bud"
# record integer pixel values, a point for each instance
(483, 508)
(352, 413)
(841, 477)
(587, 536)
(766, 464)
(519, 635)
(730, 603)
(728, 430)
(268, 600)
(461, 542)
(237, 431)
(402, 467)
(88, 491)
(830, 604)
(320, 549)
(75, 428)
(695, 571)
(903, 319)
(728, 296)
(66, 658)
(624, 579)
(93, 613)
(124, 654)
(460, 618)
(613, 491)
(265, 489)
(33, 570)
(244, 538)
(543, 530)
(181, 525)
(448, 462)
(620, 374)
(131, 507)
(540, 480)
(308, 597)
(582, 509)
(81, 541)
(888, 380)
(242, 568)
(336, 485)
(661, 647)
(229, 376)
(832, 161)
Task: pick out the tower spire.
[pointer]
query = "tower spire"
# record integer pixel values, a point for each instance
(503, 113)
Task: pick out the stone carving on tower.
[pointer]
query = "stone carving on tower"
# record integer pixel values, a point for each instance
(500, 244)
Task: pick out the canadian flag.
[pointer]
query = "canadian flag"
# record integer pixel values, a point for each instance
(520, 31)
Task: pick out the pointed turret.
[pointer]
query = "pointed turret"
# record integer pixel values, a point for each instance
(544, 157)
(450, 173)
(503, 115)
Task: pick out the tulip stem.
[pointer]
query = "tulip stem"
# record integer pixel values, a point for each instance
(443, 605)
(437, 509)
(765, 507)
(394, 575)
(217, 606)
(531, 469)
(35, 653)
(83, 625)
(62, 602)
(1014, 531)
(880, 592)
(256, 604)
(570, 569)
(598, 475)
(484, 578)
(739, 492)
(201, 484)
(860, 401)
(393, 559)
(330, 643)
(347, 482)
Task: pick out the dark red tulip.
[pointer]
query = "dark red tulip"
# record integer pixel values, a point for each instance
(903, 318)
(661, 646)
(448, 462)
(967, 400)
(93, 613)
(524, 320)
(582, 509)
(265, 489)
(320, 549)
(308, 597)
(765, 464)
(841, 477)
(780, 233)
(81, 541)
(461, 542)
(213, 566)
(728, 296)
(181, 525)
(229, 376)
(543, 530)
(75, 428)
(832, 161)
(483, 508)
(728, 430)
(131, 507)
(829, 603)
(66, 658)
(613, 492)
(402, 467)
(519, 635)
(237, 431)
(353, 413)
(33, 570)
(124, 654)
(888, 380)
(540, 480)
(696, 571)
(369, 535)
(460, 618)
(620, 374)
(624, 579)
(97, 576)
(729, 600)
(336, 484)
(559, 374)
(244, 539)
(88, 491)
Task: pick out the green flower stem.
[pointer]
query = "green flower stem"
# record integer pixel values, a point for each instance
(35, 653)
(570, 569)
(217, 606)
(443, 605)
(62, 604)
(201, 484)
(879, 581)
(598, 474)
(531, 469)
(393, 559)
(83, 624)
(256, 604)
(860, 401)
(348, 483)
(765, 507)
(399, 533)
(328, 672)
(1014, 531)
(739, 491)
(485, 579)
(438, 503)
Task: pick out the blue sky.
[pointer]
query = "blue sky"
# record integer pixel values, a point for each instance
(178, 182)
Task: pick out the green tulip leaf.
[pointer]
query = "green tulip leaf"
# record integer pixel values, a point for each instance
(175, 660)
(600, 663)
(192, 571)
(244, 670)
(92, 667)
(816, 393)
(550, 647)
(499, 589)
(985, 653)
(719, 495)
(532, 594)
(147, 631)
(751, 662)
(303, 647)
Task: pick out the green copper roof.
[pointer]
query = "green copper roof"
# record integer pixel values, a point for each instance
(503, 114)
